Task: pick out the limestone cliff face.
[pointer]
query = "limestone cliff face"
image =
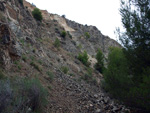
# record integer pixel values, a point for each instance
(17, 26)
(96, 40)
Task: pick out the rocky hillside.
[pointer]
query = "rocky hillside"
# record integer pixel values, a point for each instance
(27, 49)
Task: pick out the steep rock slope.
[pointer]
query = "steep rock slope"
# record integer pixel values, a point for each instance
(25, 41)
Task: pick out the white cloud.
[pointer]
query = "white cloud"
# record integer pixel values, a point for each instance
(104, 14)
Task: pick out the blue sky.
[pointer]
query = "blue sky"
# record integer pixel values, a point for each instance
(104, 14)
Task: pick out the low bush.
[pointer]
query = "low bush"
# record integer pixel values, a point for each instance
(37, 14)
(18, 65)
(36, 66)
(87, 35)
(88, 77)
(50, 75)
(63, 34)
(57, 43)
(83, 57)
(100, 61)
(65, 69)
(79, 46)
(22, 96)
(24, 58)
(71, 74)
(36, 93)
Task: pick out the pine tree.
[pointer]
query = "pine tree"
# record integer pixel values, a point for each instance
(136, 38)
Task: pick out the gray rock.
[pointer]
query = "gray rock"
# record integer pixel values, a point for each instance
(15, 28)
(98, 111)
(115, 108)
(106, 100)
(96, 96)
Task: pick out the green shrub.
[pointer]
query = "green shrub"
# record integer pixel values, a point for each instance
(40, 62)
(17, 63)
(19, 66)
(100, 61)
(57, 43)
(32, 58)
(20, 95)
(117, 80)
(36, 93)
(84, 58)
(65, 69)
(79, 46)
(71, 74)
(37, 14)
(50, 87)
(87, 35)
(50, 75)
(88, 77)
(22, 41)
(63, 34)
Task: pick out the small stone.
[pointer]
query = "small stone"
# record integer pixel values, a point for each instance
(115, 108)
(106, 100)
(102, 94)
(98, 100)
(29, 109)
(91, 105)
(96, 96)
(98, 111)
(102, 102)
